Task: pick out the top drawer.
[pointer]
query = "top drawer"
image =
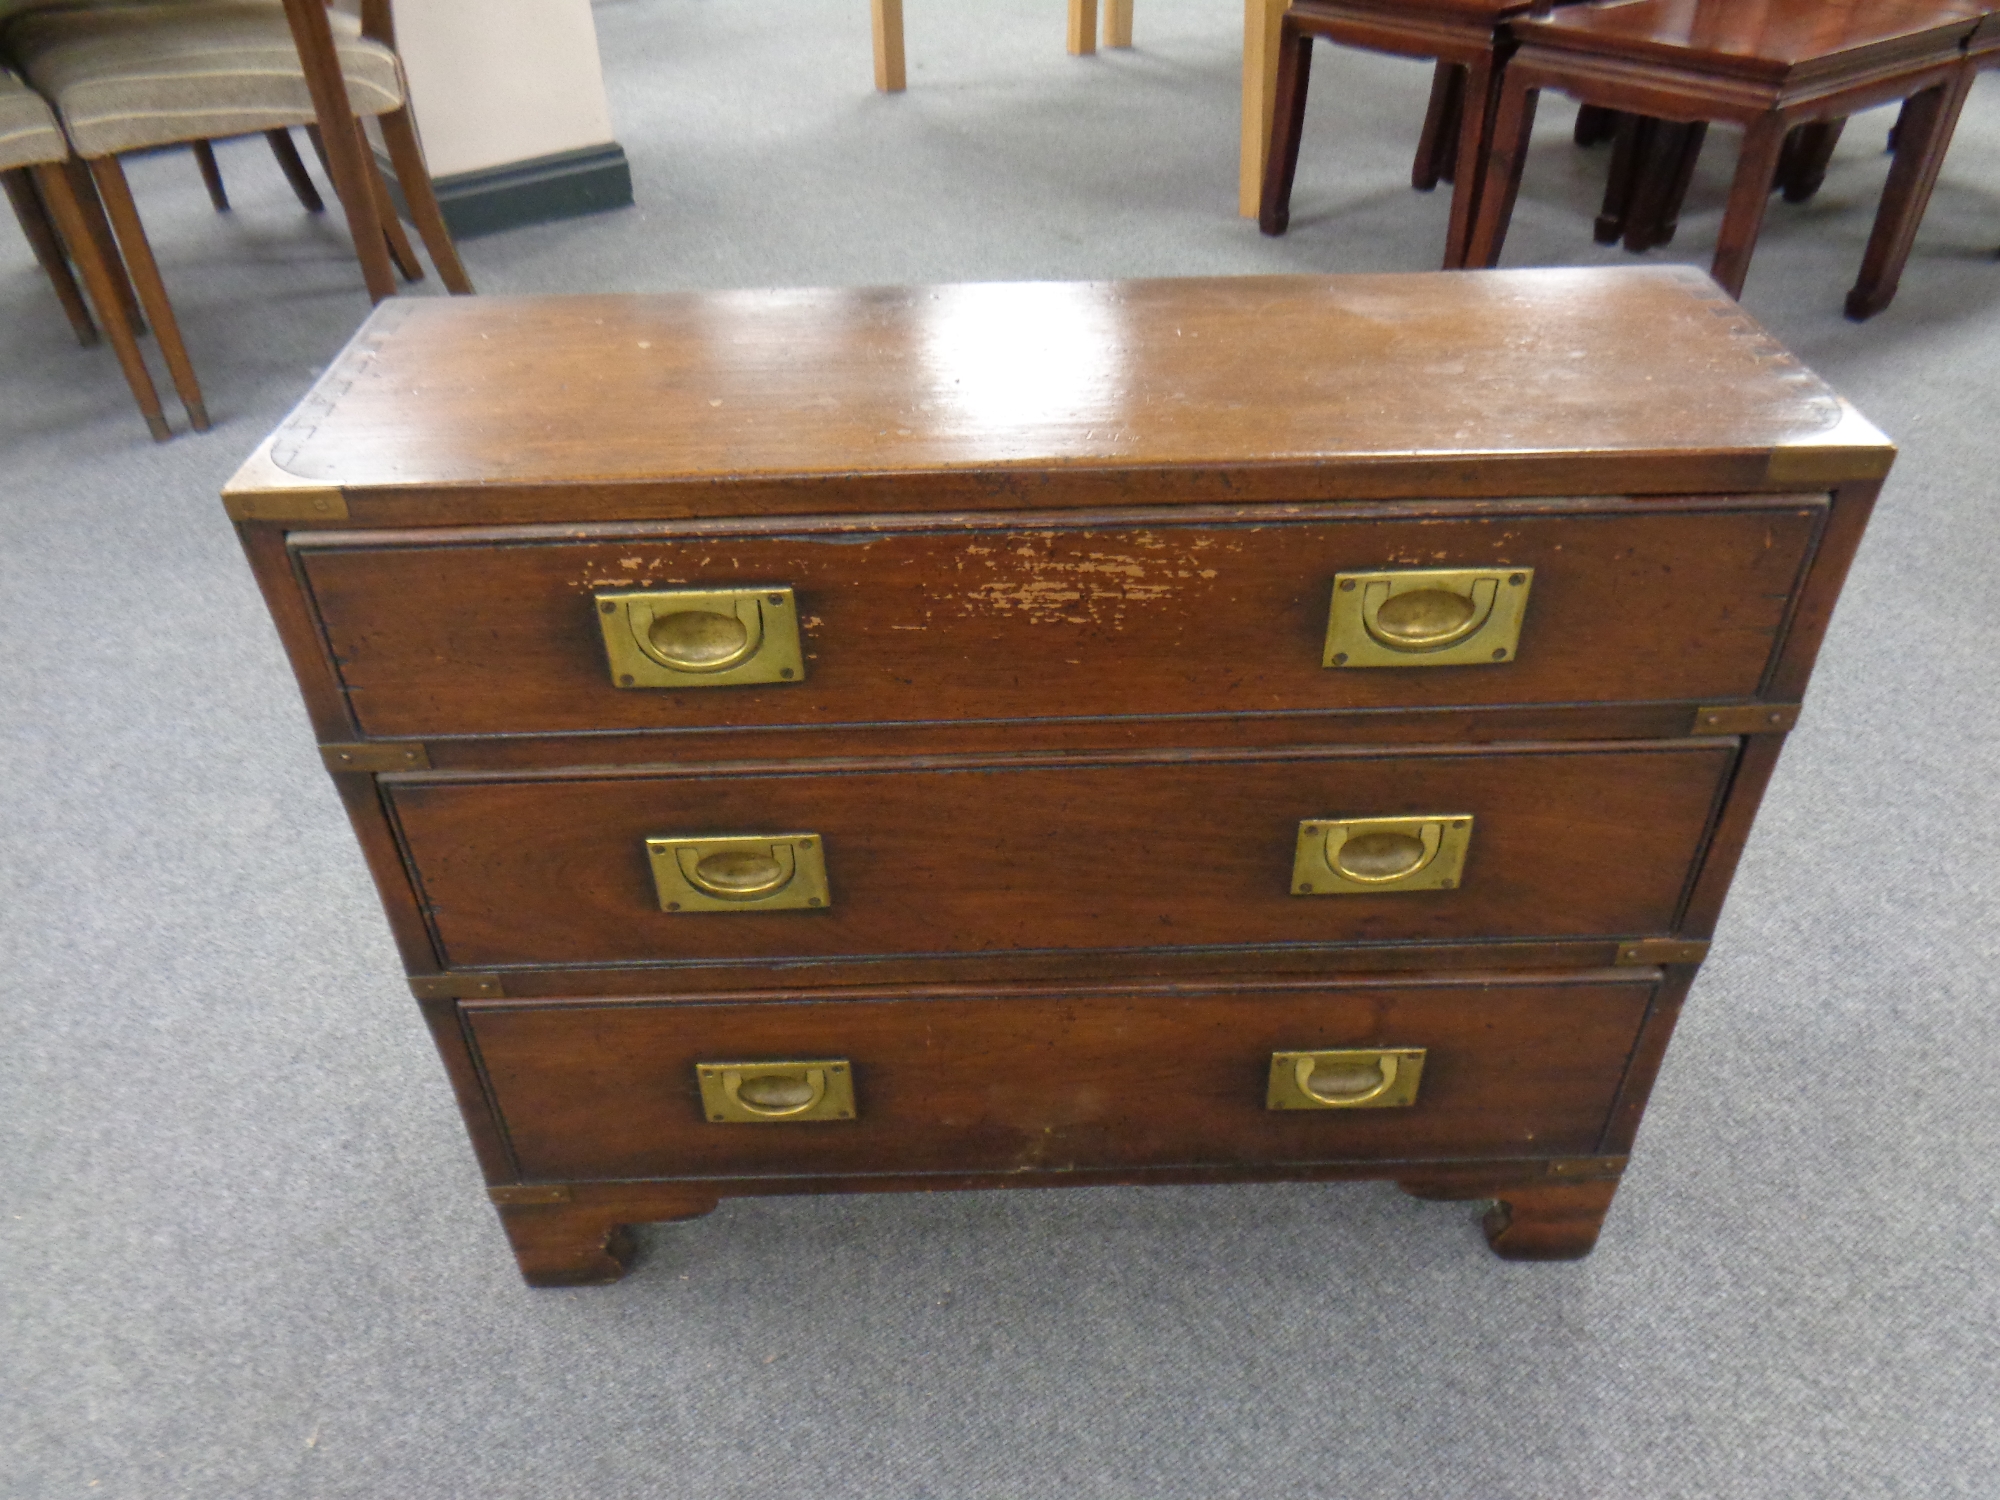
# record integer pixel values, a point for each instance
(902, 620)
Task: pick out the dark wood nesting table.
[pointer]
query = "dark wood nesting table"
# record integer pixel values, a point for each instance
(1769, 65)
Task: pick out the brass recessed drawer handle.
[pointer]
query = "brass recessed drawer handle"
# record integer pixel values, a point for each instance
(682, 638)
(1367, 1078)
(752, 872)
(1427, 617)
(776, 1092)
(1366, 856)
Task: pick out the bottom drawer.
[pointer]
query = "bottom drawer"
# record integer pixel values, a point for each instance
(1046, 1080)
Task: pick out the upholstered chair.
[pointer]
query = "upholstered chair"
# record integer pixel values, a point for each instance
(63, 225)
(133, 76)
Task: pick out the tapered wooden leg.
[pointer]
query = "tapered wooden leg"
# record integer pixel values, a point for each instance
(117, 196)
(313, 36)
(401, 251)
(84, 191)
(1439, 141)
(1474, 135)
(1808, 153)
(1538, 1218)
(1082, 28)
(1117, 23)
(566, 1243)
(1742, 220)
(41, 235)
(211, 175)
(1507, 154)
(108, 291)
(406, 155)
(1288, 123)
(295, 171)
(1923, 136)
(1263, 20)
(887, 19)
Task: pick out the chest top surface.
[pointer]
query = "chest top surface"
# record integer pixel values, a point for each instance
(474, 400)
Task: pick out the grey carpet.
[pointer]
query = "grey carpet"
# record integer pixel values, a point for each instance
(245, 1249)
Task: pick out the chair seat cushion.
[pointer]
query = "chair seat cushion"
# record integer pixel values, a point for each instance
(28, 132)
(124, 77)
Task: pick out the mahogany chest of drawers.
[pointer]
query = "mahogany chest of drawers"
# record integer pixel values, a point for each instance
(978, 736)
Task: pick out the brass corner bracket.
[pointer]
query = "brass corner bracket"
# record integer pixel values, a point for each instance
(456, 987)
(406, 756)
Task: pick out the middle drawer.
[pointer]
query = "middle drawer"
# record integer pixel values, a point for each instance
(1020, 856)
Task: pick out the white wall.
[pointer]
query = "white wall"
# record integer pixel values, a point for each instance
(500, 81)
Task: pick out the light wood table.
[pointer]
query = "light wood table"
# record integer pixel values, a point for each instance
(1260, 68)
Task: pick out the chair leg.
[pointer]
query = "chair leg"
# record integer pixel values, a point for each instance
(1756, 168)
(887, 20)
(1923, 136)
(406, 155)
(84, 191)
(1117, 23)
(1506, 155)
(117, 196)
(400, 250)
(211, 175)
(1288, 121)
(295, 171)
(41, 236)
(1436, 146)
(1474, 143)
(1082, 28)
(109, 292)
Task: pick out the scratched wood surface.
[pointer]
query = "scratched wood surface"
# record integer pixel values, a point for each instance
(1004, 856)
(1524, 1067)
(471, 400)
(1629, 603)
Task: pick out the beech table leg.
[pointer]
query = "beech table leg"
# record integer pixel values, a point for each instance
(886, 20)
(1756, 168)
(1923, 135)
(1117, 23)
(1082, 28)
(1262, 21)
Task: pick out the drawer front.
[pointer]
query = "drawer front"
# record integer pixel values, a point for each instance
(1630, 602)
(1041, 1082)
(1018, 857)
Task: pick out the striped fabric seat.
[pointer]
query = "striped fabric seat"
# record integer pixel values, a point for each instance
(125, 77)
(28, 132)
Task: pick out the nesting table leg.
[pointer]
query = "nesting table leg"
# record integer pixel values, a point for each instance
(1475, 125)
(1756, 168)
(1923, 135)
(1507, 154)
(1435, 150)
(1288, 118)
